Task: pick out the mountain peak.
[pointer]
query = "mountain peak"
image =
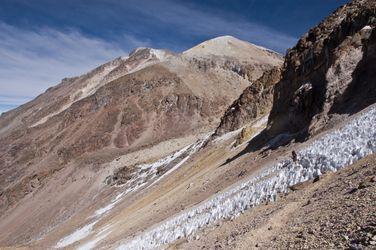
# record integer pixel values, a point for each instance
(230, 46)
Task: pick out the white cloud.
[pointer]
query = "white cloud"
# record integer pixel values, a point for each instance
(33, 60)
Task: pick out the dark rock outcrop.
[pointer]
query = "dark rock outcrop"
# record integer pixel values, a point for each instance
(330, 71)
(254, 102)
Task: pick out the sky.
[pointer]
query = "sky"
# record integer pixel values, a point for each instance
(43, 41)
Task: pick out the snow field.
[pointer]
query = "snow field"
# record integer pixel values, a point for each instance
(331, 152)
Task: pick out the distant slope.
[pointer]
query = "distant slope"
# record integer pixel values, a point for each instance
(128, 112)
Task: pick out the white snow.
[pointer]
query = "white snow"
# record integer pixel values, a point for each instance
(145, 176)
(331, 152)
(77, 235)
(148, 173)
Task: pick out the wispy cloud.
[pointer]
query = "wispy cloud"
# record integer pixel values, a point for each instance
(33, 60)
(192, 21)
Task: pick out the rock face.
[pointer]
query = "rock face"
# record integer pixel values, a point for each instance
(122, 106)
(330, 71)
(254, 102)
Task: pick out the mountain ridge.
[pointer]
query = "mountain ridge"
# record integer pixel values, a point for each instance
(149, 100)
(190, 148)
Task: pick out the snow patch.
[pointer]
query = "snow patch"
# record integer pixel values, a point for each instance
(77, 235)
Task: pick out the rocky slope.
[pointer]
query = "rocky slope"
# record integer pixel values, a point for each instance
(125, 163)
(330, 72)
(144, 106)
(255, 102)
(326, 78)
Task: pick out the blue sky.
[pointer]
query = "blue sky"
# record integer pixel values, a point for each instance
(43, 41)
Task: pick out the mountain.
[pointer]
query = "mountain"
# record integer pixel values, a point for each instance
(220, 147)
(145, 105)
